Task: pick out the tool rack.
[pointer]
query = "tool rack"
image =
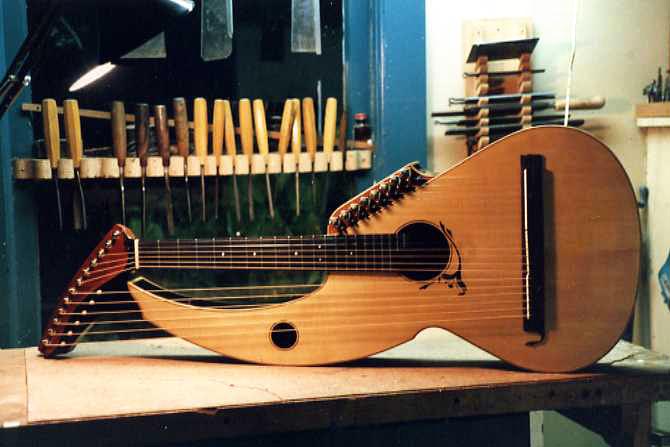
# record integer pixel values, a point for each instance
(481, 55)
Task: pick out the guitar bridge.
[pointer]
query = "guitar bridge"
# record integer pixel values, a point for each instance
(532, 237)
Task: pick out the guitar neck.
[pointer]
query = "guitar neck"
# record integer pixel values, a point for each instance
(378, 252)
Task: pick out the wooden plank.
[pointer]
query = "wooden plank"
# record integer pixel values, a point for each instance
(652, 110)
(13, 393)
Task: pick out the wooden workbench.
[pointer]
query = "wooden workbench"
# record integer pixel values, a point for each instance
(168, 390)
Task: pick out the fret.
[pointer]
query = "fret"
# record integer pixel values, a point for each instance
(301, 256)
(158, 249)
(245, 252)
(213, 252)
(229, 254)
(258, 252)
(178, 255)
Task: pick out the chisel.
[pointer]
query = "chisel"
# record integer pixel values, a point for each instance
(182, 136)
(285, 129)
(309, 124)
(329, 133)
(120, 148)
(263, 148)
(231, 150)
(142, 144)
(296, 147)
(200, 139)
(72, 122)
(247, 140)
(163, 143)
(52, 143)
(217, 147)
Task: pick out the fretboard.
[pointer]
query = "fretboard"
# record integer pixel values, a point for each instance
(379, 252)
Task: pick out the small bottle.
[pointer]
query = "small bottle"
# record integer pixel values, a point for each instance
(362, 130)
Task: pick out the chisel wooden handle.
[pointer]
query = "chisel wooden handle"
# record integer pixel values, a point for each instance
(285, 128)
(181, 126)
(597, 102)
(142, 132)
(119, 142)
(309, 125)
(162, 135)
(246, 129)
(72, 122)
(51, 131)
(296, 131)
(329, 127)
(218, 130)
(261, 129)
(200, 131)
(229, 133)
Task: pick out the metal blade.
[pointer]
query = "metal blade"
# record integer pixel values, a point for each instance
(54, 175)
(144, 204)
(250, 196)
(168, 205)
(269, 191)
(188, 198)
(122, 190)
(82, 201)
(297, 192)
(236, 194)
(202, 195)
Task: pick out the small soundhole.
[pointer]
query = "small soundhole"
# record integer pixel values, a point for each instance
(284, 335)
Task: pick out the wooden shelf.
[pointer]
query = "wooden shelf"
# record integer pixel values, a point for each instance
(107, 167)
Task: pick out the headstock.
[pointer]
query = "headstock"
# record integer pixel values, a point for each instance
(377, 197)
(109, 258)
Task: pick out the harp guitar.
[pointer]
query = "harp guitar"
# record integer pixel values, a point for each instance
(528, 249)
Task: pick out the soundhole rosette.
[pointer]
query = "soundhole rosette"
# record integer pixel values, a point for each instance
(284, 335)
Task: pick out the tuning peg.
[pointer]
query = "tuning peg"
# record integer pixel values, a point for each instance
(384, 193)
(363, 208)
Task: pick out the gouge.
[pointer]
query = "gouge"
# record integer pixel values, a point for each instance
(309, 124)
(247, 140)
(200, 139)
(296, 146)
(52, 143)
(263, 148)
(329, 133)
(75, 144)
(142, 144)
(231, 150)
(120, 148)
(182, 136)
(218, 118)
(285, 129)
(163, 143)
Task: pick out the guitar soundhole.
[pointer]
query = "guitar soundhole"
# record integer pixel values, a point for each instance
(284, 335)
(425, 251)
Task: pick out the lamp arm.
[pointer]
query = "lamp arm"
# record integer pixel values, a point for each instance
(16, 77)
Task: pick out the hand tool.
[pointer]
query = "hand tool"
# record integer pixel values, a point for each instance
(247, 140)
(310, 138)
(52, 143)
(263, 148)
(497, 128)
(200, 138)
(329, 132)
(507, 109)
(502, 98)
(296, 146)
(142, 144)
(218, 118)
(285, 129)
(182, 136)
(163, 143)
(511, 119)
(120, 148)
(231, 150)
(501, 74)
(72, 123)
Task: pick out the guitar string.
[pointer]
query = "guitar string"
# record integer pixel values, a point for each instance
(265, 331)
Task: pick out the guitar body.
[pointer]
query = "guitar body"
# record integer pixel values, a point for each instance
(591, 267)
